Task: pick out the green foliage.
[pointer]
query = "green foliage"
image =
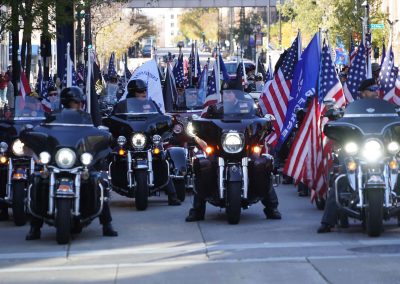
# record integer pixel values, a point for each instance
(199, 22)
(340, 17)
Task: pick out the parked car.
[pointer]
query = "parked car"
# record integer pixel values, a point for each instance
(231, 67)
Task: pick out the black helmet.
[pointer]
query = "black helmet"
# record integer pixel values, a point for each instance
(259, 77)
(136, 85)
(71, 94)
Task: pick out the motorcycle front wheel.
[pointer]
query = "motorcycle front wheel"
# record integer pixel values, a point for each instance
(233, 201)
(374, 212)
(63, 221)
(180, 188)
(142, 190)
(18, 203)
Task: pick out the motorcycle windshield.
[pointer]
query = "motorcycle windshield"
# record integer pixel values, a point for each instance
(237, 104)
(366, 117)
(69, 117)
(28, 108)
(136, 106)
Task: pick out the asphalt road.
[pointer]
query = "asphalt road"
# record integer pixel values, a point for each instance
(157, 246)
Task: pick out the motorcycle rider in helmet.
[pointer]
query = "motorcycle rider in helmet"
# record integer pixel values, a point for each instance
(72, 98)
(138, 89)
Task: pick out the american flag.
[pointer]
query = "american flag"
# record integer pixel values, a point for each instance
(275, 97)
(212, 96)
(24, 88)
(64, 81)
(222, 67)
(241, 78)
(368, 51)
(39, 83)
(178, 72)
(305, 163)
(353, 51)
(111, 66)
(357, 74)
(388, 79)
(194, 61)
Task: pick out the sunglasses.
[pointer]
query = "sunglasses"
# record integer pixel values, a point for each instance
(52, 94)
(373, 88)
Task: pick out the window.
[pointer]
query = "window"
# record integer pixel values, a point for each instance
(172, 25)
(172, 33)
(172, 16)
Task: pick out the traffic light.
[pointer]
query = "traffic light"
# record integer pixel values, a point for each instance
(376, 52)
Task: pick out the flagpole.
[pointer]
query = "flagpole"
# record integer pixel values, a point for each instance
(69, 73)
(257, 62)
(217, 74)
(195, 59)
(89, 79)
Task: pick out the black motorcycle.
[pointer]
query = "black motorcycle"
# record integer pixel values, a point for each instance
(235, 174)
(365, 174)
(67, 189)
(140, 166)
(190, 107)
(16, 163)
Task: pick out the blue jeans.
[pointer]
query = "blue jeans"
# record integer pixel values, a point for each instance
(3, 94)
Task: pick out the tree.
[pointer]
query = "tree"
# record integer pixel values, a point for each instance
(199, 24)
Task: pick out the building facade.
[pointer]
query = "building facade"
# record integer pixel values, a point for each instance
(392, 8)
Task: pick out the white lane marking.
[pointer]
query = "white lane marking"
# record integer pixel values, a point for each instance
(201, 248)
(181, 263)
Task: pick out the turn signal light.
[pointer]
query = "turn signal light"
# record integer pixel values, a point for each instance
(351, 166)
(257, 149)
(156, 151)
(3, 160)
(393, 165)
(209, 150)
(121, 152)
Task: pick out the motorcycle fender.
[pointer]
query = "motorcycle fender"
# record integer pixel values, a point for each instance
(375, 182)
(20, 174)
(178, 157)
(234, 173)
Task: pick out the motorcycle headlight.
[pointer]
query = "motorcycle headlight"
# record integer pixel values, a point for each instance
(177, 129)
(18, 148)
(65, 158)
(351, 148)
(190, 129)
(86, 159)
(393, 147)
(372, 151)
(138, 141)
(232, 143)
(156, 139)
(3, 147)
(121, 140)
(44, 158)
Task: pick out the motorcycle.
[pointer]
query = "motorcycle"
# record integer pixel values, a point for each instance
(235, 173)
(365, 174)
(182, 116)
(141, 131)
(16, 164)
(67, 189)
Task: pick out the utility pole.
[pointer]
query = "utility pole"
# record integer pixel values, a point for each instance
(15, 45)
(280, 27)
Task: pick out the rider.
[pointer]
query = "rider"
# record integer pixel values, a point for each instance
(368, 90)
(138, 89)
(72, 99)
(231, 101)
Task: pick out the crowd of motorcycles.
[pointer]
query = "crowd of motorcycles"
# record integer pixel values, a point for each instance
(60, 167)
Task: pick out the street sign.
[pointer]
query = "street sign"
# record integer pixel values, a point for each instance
(377, 26)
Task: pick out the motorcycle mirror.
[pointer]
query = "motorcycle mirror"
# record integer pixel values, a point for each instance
(398, 110)
(329, 102)
(102, 127)
(269, 117)
(195, 116)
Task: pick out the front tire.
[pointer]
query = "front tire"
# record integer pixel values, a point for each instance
(18, 203)
(142, 190)
(233, 202)
(180, 188)
(63, 221)
(374, 212)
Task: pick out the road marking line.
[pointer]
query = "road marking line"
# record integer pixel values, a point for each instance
(200, 248)
(180, 263)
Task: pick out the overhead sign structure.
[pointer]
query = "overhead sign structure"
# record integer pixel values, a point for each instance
(197, 3)
(376, 26)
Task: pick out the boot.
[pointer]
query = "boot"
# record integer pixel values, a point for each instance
(194, 216)
(272, 214)
(108, 230)
(34, 234)
(324, 228)
(173, 200)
